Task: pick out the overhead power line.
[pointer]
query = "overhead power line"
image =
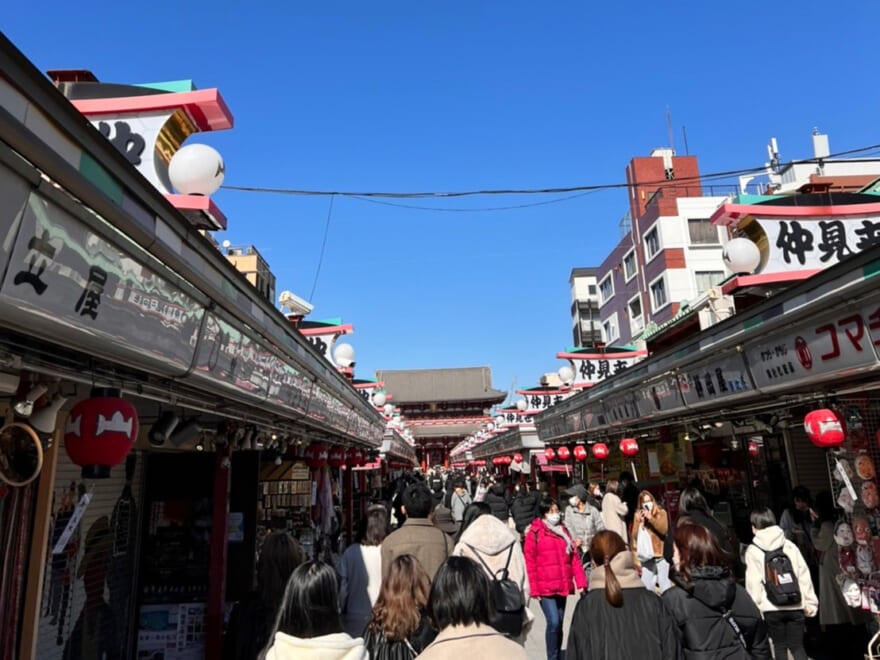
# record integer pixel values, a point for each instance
(535, 191)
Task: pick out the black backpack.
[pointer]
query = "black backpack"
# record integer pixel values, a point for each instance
(780, 579)
(506, 613)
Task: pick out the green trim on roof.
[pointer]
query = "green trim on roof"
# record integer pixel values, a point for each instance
(175, 86)
(98, 175)
(332, 321)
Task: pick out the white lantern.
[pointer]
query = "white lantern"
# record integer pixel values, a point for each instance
(566, 375)
(343, 355)
(196, 169)
(499, 422)
(522, 405)
(741, 256)
(388, 409)
(379, 399)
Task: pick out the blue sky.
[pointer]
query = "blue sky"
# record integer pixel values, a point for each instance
(469, 94)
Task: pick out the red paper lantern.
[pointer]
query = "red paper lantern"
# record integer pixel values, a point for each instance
(550, 454)
(508, 460)
(754, 449)
(580, 453)
(316, 457)
(629, 447)
(99, 433)
(600, 451)
(517, 458)
(824, 428)
(496, 460)
(563, 453)
(351, 459)
(336, 457)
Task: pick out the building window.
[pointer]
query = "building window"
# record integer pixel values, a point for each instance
(591, 289)
(606, 289)
(658, 294)
(609, 327)
(702, 232)
(629, 265)
(652, 243)
(635, 307)
(707, 279)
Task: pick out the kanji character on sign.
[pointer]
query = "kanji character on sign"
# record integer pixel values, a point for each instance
(41, 252)
(88, 302)
(794, 240)
(833, 240)
(869, 235)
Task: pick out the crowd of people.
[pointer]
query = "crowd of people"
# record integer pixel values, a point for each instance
(450, 564)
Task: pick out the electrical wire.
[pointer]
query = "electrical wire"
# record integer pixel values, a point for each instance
(539, 191)
(323, 247)
(374, 200)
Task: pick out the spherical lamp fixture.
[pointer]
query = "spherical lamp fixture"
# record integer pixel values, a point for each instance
(741, 256)
(522, 405)
(566, 375)
(197, 169)
(379, 399)
(343, 355)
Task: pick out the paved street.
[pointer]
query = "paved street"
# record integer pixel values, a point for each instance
(535, 640)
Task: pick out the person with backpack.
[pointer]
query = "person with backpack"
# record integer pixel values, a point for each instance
(778, 580)
(714, 616)
(554, 570)
(496, 548)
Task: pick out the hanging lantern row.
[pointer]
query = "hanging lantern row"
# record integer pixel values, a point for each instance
(317, 455)
(629, 447)
(502, 460)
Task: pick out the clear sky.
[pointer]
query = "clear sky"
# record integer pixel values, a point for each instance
(469, 94)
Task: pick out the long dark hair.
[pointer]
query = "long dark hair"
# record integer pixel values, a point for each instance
(693, 500)
(472, 511)
(697, 548)
(402, 599)
(376, 527)
(459, 594)
(606, 545)
(279, 556)
(310, 607)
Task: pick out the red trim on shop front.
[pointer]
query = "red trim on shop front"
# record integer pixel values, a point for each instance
(205, 106)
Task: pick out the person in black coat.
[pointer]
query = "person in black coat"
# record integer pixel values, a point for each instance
(694, 508)
(619, 618)
(498, 499)
(629, 493)
(715, 617)
(524, 507)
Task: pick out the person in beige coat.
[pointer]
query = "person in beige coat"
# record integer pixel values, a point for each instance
(648, 534)
(614, 510)
(459, 606)
(785, 623)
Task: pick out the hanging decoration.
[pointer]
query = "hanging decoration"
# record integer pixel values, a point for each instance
(550, 454)
(754, 449)
(579, 452)
(336, 457)
(100, 432)
(629, 447)
(825, 428)
(600, 451)
(563, 453)
(316, 456)
(508, 460)
(517, 458)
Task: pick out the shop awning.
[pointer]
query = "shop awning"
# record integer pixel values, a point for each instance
(102, 266)
(818, 337)
(513, 440)
(396, 448)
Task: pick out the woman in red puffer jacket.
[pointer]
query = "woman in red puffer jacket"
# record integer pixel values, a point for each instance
(554, 569)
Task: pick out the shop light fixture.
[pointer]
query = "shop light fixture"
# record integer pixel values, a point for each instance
(45, 419)
(186, 433)
(163, 428)
(25, 407)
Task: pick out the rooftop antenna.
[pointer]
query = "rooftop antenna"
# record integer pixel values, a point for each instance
(669, 128)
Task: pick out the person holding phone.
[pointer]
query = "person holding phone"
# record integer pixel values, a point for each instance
(648, 535)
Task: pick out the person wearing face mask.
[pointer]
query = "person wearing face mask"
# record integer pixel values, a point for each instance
(648, 534)
(582, 520)
(554, 570)
(459, 501)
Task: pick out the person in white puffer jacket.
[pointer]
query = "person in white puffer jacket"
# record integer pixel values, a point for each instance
(784, 623)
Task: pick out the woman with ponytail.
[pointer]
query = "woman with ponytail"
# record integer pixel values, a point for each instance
(619, 618)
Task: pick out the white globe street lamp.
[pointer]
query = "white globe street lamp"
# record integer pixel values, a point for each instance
(197, 169)
(379, 399)
(522, 405)
(566, 375)
(388, 409)
(343, 355)
(741, 256)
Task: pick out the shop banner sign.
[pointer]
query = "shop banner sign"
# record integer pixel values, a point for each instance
(619, 409)
(517, 419)
(592, 370)
(824, 346)
(232, 360)
(290, 387)
(540, 401)
(661, 395)
(72, 285)
(815, 243)
(711, 381)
